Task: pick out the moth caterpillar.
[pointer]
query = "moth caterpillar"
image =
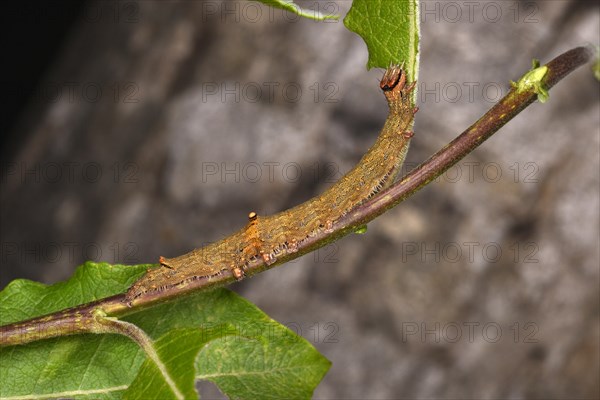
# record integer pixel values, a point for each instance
(269, 237)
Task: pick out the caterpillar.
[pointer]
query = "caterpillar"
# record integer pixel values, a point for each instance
(268, 237)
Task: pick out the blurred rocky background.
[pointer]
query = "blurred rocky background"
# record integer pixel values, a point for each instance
(139, 129)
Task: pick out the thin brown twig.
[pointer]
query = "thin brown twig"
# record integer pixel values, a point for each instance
(80, 319)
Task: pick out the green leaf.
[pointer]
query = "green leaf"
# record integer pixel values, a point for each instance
(289, 5)
(249, 355)
(60, 366)
(178, 350)
(275, 364)
(390, 28)
(23, 299)
(189, 331)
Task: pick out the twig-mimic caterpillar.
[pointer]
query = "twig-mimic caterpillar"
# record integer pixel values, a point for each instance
(269, 237)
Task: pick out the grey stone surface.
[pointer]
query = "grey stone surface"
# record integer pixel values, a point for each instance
(423, 305)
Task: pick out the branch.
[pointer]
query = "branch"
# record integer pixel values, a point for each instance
(80, 319)
(517, 99)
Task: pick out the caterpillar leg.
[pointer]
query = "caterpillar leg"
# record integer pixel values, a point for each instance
(237, 271)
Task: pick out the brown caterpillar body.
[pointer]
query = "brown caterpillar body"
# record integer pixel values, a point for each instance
(271, 236)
